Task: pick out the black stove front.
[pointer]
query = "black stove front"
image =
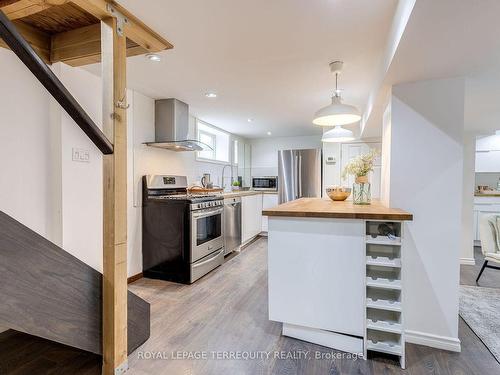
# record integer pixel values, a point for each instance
(182, 235)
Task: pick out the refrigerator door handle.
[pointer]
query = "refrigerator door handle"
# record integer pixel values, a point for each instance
(300, 176)
(296, 179)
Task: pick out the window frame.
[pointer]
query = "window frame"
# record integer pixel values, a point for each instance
(214, 143)
(230, 145)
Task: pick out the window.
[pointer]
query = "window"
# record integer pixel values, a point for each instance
(217, 139)
(235, 152)
(209, 140)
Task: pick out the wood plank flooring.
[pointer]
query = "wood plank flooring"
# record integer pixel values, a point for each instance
(227, 311)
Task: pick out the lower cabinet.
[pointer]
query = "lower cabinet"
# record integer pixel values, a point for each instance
(268, 201)
(251, 216)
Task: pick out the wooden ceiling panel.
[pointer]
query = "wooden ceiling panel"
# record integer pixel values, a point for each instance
(61, 18)
(69, 30)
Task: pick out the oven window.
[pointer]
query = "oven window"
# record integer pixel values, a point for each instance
(208, 228)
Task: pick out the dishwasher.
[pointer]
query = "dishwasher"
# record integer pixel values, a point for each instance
(232, 224)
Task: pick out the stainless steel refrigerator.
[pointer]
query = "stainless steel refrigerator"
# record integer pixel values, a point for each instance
(299, 174)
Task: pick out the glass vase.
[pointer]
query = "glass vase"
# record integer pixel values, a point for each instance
(361, 191)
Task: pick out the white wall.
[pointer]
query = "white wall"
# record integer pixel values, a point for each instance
(385, 188)
(426, 179)
(332, 172)
(81, 182)
(265, 151)
(24, 152)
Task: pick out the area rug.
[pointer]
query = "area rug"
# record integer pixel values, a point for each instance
(480, 308)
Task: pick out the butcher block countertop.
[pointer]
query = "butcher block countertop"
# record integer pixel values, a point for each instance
(323, 208)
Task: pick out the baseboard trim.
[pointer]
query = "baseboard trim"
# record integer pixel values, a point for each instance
(468, 261)
(249, 242)
(338, 341)
(133, 278)
(434, 341)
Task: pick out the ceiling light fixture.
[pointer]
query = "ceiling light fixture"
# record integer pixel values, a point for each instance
(336, 113)
(338, 134)
(153, 57)
(250, 119)
(269, 133)
(211, 94)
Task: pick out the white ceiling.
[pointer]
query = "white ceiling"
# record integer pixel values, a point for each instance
(449, 38)
(267, 60)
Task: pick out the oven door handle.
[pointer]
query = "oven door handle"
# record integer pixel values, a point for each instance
(199, 215)
(210, 259)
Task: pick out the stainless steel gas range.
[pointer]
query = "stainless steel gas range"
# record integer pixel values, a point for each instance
(182, 234)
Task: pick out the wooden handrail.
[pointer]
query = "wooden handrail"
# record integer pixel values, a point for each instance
(54, 86)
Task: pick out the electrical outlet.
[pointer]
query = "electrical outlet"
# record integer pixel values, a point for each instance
(81, 155)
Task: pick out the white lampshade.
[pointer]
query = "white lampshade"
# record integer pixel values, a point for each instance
(338, 134)
(336, 113)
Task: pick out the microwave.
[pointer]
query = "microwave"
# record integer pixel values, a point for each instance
(269, 183)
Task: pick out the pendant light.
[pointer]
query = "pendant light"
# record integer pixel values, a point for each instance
(336, 113)
(338, 134)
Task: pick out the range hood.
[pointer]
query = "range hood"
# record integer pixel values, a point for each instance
(172, 127)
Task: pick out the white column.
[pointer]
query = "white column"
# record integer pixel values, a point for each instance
(426, 179)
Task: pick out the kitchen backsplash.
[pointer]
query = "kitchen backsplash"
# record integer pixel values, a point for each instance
(487, 179)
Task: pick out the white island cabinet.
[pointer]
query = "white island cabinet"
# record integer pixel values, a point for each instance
(251, 216)
(269, 200)
(334, 280)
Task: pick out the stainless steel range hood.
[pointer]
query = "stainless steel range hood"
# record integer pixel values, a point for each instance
(172, 127)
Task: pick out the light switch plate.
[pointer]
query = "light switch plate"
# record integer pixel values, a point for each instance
(331, 160)
(81, 155)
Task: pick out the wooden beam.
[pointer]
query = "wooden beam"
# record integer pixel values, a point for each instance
(36, 38)
(135, 29)
(83, 46)
(114, 199)
(24, 8)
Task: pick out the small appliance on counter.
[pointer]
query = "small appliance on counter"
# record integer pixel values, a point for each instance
(182, 233)
(265, 183)
(205, 181)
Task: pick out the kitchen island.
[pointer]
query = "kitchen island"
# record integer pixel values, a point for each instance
(335, 277)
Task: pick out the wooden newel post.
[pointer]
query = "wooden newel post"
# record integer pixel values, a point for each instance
(113, 49)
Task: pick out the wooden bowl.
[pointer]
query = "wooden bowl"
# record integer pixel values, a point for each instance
(338, 193)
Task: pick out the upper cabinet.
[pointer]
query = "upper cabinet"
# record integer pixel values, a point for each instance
(488, 154)
(488, 161)
(491, 143)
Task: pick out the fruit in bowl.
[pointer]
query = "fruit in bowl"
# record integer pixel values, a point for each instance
(338, 193)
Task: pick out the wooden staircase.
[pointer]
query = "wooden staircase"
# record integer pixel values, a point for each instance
(49, 293)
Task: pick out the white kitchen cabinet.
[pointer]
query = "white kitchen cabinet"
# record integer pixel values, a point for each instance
(268, 201)
(489, 143)
(251, 216)
(488, 161)
(484, 205)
